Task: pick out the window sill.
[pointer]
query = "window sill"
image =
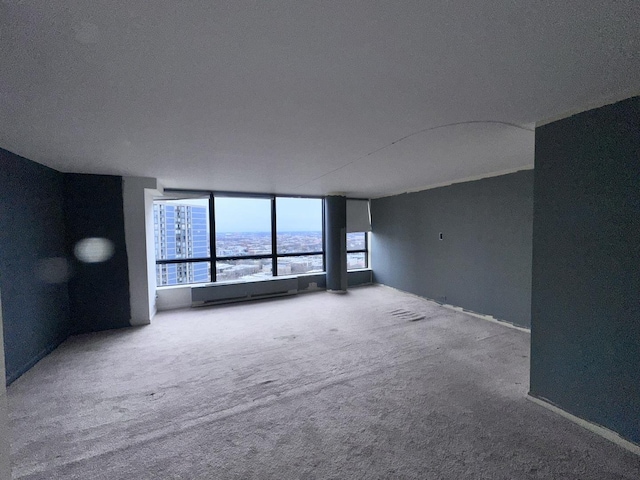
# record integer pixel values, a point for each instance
(235, 282)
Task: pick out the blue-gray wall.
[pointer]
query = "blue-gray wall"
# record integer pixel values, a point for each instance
(98, 292)
(482, 263)
(585, 335)
(43, 213)
(35, 313)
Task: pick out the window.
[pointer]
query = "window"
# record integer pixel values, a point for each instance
(243, 269)
(358, 224)
(244, 242)
(299, 237)
(182, 254)
(249, 238)
(357, 251)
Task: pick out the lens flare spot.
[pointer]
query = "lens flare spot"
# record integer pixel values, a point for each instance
(53, 270)
(94, 250)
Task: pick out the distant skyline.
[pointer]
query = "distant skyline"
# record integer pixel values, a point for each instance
(253, 215)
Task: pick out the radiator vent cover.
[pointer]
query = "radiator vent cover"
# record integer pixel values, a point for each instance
(216, 293)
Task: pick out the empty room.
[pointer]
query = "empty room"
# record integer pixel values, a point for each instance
(319, 240)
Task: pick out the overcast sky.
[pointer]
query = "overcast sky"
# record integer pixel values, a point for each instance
(254, 214)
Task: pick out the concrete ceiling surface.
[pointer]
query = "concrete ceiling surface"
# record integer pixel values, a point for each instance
(361, 97)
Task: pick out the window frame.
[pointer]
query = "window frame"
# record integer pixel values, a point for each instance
(364, 250)
(213, 258)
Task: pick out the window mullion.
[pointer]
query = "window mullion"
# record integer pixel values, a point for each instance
(274, 243)
(324, 242)
(366, 249)
(212, 236)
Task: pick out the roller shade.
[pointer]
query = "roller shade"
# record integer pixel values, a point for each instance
(358, 219)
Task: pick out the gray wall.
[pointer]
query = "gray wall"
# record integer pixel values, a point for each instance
(585, 336)
(98, 292)
(483, 262)
(43, 214)
(35, 313)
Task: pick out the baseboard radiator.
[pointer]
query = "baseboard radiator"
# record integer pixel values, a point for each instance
(217, 293)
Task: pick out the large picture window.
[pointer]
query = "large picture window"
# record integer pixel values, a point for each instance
(299, 236)
(243, 240)
(223, 237)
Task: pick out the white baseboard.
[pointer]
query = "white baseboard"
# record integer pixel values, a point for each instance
(138, 322)
(592, 427)
(5, 434)
(488, 318)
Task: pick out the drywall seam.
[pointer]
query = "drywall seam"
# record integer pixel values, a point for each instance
(462, 180)
(592, 427)
(418, 132)
(488, 318)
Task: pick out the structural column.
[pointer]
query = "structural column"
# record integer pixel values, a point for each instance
(335, 231)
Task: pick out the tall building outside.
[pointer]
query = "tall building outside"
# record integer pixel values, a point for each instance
(181, 232)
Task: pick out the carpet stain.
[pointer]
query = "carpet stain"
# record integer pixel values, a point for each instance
(286, 337)
(407, 315)
(155, 395)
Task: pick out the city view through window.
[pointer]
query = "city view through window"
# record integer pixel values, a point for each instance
(243, 239)
(356, 250)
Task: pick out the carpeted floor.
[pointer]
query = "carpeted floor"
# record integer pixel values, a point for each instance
(312, 386)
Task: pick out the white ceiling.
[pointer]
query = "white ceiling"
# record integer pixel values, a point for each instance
(367, 98)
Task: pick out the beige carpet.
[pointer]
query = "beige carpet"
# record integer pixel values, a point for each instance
(372, 384)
